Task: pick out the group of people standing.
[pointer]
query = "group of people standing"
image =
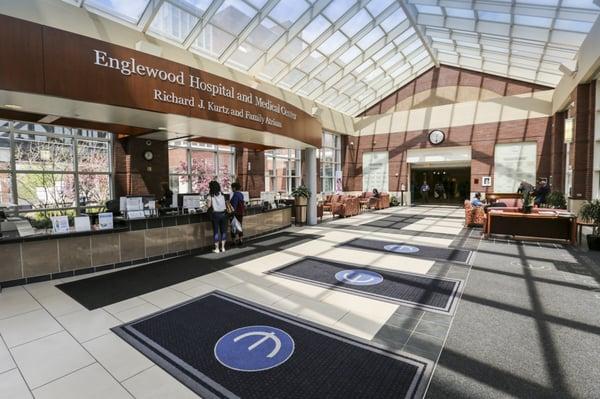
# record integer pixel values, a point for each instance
(221, 209)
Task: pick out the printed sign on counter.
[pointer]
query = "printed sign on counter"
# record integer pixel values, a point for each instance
(105, 220)
(60, 224)
(82, 223)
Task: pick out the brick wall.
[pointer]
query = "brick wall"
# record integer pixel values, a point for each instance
(482, 138)
(447, 76)
(252, 180)
(582, 148)
(136, 176)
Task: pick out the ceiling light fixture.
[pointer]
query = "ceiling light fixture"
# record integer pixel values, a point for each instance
(12, 106)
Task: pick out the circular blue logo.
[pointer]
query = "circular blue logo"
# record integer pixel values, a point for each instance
(254, 348)
(401, 248)
(359, 277)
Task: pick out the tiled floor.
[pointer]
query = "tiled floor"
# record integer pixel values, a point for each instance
(52, 347)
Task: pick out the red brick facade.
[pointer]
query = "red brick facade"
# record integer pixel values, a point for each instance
(251, 179)
(582, 148)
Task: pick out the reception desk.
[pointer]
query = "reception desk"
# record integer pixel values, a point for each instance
(49, 256)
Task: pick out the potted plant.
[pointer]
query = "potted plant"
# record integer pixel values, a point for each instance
(590, 212)
(301, 195)
(526, 191)
(556, 200)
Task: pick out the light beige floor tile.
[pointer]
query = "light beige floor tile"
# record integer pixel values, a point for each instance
(358, 325)
(249, 278)
(27, 327)
(12, 386)
(310, 309)
(220, 280)
(403, 264)
(15, 301)
(92, 382)
(261, 295)
(350, 255)
(60, 304)
(85, 325)
(137, 312)
(43, 289)
(186, 285)
(299, 288)
(199, 289)
(117, 356)
(6, 362)
(266, 263)
(165, 297)
(375, 310)
(124, 305)
(49, 358)
(155, 383)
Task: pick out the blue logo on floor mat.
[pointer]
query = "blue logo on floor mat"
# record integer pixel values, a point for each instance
(401, 248)
(359, 277)
(254, 348)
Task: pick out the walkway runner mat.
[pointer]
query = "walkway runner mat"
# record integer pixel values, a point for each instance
(426, 292)
(98, 291)
(416, 250)
(223, 347)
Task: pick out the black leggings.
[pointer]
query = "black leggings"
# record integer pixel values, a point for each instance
(219, 222)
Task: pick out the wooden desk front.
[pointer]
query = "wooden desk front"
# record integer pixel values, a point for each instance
(534, 225)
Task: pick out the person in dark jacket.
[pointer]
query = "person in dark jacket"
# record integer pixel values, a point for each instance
(239, 207)
(541, 192)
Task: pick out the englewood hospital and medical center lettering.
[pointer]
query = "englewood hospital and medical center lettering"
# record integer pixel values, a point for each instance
(131, 67)
(53, 62)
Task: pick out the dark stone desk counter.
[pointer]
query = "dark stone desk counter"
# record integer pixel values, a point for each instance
(48, 256)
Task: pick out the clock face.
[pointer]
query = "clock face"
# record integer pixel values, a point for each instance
(148, 155)
(436, 137)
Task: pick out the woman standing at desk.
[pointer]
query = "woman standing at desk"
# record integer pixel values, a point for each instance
(218, 216)
(239, 207)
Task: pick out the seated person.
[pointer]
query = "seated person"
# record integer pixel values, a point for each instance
(375, 193)
(476, 202)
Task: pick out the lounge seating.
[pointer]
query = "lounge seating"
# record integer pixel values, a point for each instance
(345, 206)
(367, 200)
(474, 215)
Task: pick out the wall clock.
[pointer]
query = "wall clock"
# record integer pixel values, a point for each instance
(148, 155)
(436, 137)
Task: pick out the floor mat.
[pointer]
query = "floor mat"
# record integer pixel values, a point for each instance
(430, 293)
(96, 292)
(223, 347)
(416, 250)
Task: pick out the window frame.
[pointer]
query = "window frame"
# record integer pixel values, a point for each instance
(336, 164)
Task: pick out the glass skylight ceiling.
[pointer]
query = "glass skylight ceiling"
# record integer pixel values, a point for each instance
(348, 54)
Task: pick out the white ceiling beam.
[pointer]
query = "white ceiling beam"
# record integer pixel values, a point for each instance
(411, 13)
(149, 14)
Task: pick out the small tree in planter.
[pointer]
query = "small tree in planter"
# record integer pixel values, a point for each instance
(301, 195)
(556, 200)
(590, 212)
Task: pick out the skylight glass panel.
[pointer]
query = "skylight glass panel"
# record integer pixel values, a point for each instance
(383, 52)
(374, 74)
(310, 87)
(356, 23)
(292, 78)
(411, 47)
(421, 8)
(393, 20)
(376, 7)
(460, 12)
(245, 56)
(363, 66)
(309, 63)
(130, 10)
(409, 33)
(257, 3)
(233, 16)
(199, 5)
(333, 43)
(337, 8)
(589, 4)
(286, 12)
(314, 29)
(350, 54)
(272, 69)
(328, 72)
(575, 26)
(265, 34)
(397, 58)
(370, 38)
(173, 23)
(494, 16)
(212, 41)
(293, 48)
(529, 20)
(551, 3)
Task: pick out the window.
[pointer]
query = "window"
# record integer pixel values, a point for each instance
(193, 165)
(48, 169)
(331, 166)
(282, 170)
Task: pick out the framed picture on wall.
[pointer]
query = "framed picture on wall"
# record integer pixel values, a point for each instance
(486, 181)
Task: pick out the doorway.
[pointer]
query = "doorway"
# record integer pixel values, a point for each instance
(447, 185)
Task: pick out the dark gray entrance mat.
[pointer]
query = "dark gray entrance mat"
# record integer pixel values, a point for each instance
(426, 292)
(223, 347)
(411, 249)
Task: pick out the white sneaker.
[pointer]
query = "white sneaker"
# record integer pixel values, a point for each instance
(216, 250)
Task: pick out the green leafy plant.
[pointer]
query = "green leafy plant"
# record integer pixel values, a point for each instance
(394, 201)
(590, 211)
(556, 200)
(301, 191)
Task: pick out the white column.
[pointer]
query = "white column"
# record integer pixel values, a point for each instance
(311, 183)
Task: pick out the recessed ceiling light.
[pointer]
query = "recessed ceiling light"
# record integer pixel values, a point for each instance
(243, 49)
(12, 106)
(162, 128)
